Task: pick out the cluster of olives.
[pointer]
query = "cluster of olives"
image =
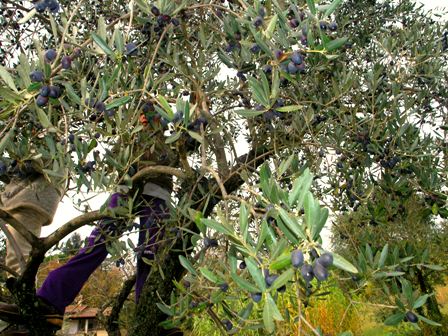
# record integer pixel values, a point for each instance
(258, 20)
(272, 113)
(293, 64)
(20, 169)
(318, 269)
(162, 20)
(37, 76)
(43, 5)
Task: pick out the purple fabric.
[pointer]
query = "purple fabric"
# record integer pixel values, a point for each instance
(63, 284)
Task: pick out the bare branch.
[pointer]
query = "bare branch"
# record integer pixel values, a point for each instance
(9, 270)
(155, 170)
(71, 226)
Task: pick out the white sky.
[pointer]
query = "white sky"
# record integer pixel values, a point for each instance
(66, 211)
(434, 4)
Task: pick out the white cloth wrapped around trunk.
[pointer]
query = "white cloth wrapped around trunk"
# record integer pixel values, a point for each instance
(33, 203)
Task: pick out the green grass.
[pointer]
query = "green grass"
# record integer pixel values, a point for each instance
(323, 312)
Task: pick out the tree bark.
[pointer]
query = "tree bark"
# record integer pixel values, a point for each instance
(432, 306)
(156, 290)
(112, 325)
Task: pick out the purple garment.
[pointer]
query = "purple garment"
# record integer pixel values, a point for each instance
(63, 284)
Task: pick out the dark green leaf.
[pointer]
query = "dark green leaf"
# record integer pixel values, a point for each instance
(420, 301)
(165, 309)
(283, 279)
(209, 275)
(256, 273)
(428, 321)
(332, 7)
(214, 225)
(103, 45)
(118, 102)
(244, 221)
(166, 107)
(383, 256)
(395, 319)
(187, 265)
(290, 108)
(292, 224)
(336, 43)
(249, 113)
(244, 284)
(311, 6)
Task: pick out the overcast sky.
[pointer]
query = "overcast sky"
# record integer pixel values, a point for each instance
(66, 211)
(430, 4)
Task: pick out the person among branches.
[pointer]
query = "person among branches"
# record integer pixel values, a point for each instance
(151, 205)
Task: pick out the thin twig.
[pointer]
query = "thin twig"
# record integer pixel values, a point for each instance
(301, 317)
(216, 320)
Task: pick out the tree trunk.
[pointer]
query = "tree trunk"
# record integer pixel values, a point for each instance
(432, 306)
(112, 325)
(148, 316)
(24, 292)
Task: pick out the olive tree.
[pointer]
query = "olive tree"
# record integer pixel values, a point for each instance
(264, 107)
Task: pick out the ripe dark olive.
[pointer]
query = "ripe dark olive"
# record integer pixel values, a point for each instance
(314, 254)
(258, 21)
(66, 62)
(131, 49)
(155, 11)
(3, 168)
(297, 258)
(71, 138)
(255, 48)
(100, 106)
(333, 26)
(53, 6)
(282, 289)
(55, 92)
(209, 242)
(37, 76)
(40, 6)
(270, 279)
(256, 297)
(307, 272)
(292, 68)
(294, 23)
(50, 55)
(267, 69)
(411, 317)
(326, 259)
(41, 101)
(224, 286)
(278, 54)
(297, 58)
(320, 272)
(148, 107)
(227, 324)
(44, 91)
